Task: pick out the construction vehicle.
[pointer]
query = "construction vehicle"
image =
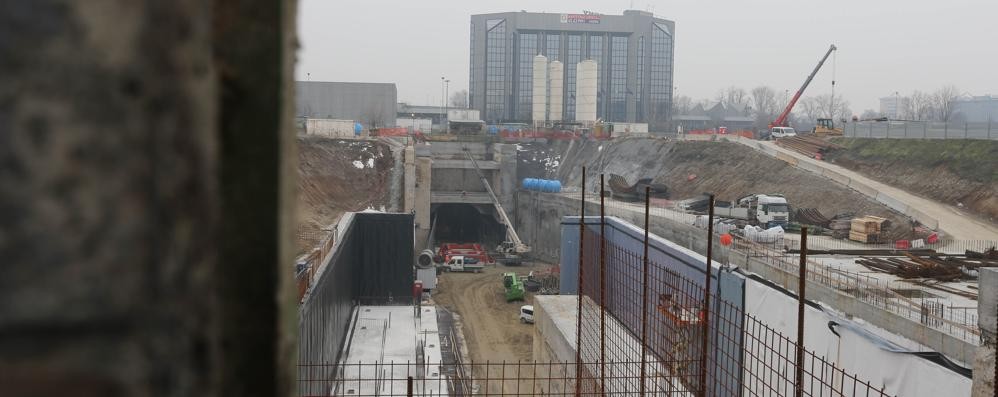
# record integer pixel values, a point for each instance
(781, 121)
(766, 210)
(826, 127)
(527, 314)
(512, 248)
(463, 264)
(514, 287)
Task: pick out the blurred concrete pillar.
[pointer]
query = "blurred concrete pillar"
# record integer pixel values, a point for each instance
(987, 315)
(146, 198)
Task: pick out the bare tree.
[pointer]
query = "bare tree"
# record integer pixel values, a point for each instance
(682, 104)
(810, 108)
(942, 101)
(832, 107)
(735, 96)
(459, 99)
(764, 102)
(918, 106)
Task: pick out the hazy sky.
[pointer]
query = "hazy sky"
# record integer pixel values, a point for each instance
(884, 45)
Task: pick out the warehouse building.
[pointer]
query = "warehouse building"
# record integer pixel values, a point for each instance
(976, 109)
(371, 104)
(633, 53)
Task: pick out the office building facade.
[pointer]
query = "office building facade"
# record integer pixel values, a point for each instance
(633, 52)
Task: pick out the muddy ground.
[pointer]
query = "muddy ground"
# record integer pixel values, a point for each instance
(490, 325)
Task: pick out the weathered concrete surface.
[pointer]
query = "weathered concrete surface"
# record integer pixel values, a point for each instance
(984, 361)
(115, 146)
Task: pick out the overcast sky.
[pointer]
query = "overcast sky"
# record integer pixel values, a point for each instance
(884, 45)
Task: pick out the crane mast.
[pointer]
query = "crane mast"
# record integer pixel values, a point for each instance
(518, 245)
(782, 120)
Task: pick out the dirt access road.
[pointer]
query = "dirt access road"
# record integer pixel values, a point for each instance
(490, 325)
(958, 224)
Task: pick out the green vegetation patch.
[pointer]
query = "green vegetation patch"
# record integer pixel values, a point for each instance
(975, 160)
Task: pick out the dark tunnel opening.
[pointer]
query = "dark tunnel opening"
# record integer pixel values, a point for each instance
(466, 223)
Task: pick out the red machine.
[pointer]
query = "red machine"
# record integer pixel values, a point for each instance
(782, 120)
(470, 250)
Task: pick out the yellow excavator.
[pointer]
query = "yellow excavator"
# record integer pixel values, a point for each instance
(826, 127)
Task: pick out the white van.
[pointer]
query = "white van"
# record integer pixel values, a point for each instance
(782, 132)
(527, 314)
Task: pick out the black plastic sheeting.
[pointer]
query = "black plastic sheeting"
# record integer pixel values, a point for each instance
(373, 262)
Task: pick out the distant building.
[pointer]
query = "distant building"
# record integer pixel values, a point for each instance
(978, 109)
(634, 53)
(734, 117)
(371, 104)
(892, 106)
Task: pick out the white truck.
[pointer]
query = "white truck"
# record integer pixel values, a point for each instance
(766, 210)
(782, 132)
(461, 263)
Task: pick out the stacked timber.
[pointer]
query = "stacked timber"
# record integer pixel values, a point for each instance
(867, 229)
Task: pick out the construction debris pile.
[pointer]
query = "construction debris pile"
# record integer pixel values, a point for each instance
(808, 144)
(867, 229)
(621, 190)
(545, 282)
(929, 264)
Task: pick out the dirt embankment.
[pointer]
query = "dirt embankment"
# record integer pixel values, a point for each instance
(962, 173)
(728, 170)
(336, 176)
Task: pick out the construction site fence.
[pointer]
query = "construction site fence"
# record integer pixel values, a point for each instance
(677, 342)
(321, 243)
(921, 130)
(956, 321)
(773, 253)
(531, 378)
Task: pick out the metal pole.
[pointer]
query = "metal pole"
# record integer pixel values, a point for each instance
(578, 322)
(408, 387)
(602, 284)
(706, 298)
(644, 297)
(965, 130)
(801, 283)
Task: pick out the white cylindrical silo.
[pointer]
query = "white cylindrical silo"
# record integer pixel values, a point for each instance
(556, 73)
(539, 96)
(585, 91)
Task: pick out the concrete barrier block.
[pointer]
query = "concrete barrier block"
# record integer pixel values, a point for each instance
(892, 202)
(922, 218)
(836, 176)
(787, 158)
(863, 188)
(809, 166)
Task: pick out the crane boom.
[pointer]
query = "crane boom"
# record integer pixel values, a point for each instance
(518, 244)
(782, 120)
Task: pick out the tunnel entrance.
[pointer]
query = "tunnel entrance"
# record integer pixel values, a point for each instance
(466, 223)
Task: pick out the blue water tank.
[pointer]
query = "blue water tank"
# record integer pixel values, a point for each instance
(555, 186)
(527, 183)
(357, 129)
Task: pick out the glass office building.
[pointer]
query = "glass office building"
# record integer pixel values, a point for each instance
(634, 52)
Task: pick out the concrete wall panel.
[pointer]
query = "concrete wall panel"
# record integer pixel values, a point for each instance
(922, 217)
(835, 176)
(892, 202)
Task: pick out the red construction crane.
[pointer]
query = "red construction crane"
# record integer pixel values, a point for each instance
(782, 120)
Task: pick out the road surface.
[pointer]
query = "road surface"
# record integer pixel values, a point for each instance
(954, 222)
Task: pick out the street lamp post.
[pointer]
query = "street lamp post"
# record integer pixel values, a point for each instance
(442, 99)
(446, 95)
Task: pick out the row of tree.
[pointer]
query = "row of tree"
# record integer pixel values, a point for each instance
(765, 104)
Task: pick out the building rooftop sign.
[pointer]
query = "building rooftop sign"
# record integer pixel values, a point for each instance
(585, 17)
